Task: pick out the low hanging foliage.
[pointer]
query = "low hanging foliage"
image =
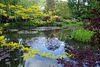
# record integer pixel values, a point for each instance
(31, 53)
(32, 13)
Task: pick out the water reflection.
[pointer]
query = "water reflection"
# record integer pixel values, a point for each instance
(48, 45)
(41, 62)
(52, 45)
(52, 41)
(10, 57)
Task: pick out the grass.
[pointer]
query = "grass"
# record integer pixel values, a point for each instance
(71, 24)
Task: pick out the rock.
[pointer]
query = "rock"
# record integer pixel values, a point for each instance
(46, 28)
(13, 30)
(74, 28)
(27, 32)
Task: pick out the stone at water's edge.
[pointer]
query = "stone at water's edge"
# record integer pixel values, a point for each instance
(13, 30)
(27, 32)
(46, 28)
(74, 28)
(34, 31)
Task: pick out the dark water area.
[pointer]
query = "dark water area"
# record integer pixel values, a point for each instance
(49, 40)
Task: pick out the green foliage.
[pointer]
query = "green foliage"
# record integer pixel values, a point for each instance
(63, 9)
(21, 25)
(26, 3)
(79, 9)
(7, 2)
(29, 25)
(72, 24)
(50, 5)
(51, 24)
(82, 35)
(33, 13)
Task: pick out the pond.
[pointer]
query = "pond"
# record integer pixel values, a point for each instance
(52, 40)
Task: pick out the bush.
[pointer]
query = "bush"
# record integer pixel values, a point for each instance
(66, 22)
(82, 35)
(54, 18)
(46, 18)
(13, 25)
(58, 19)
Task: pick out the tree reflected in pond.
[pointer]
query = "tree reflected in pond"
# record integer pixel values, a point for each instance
(10, 57)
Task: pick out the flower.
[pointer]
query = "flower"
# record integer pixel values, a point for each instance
(2, 5)
(5, 15)
(47, 55)
(12, 6)
(70, 55)
(6, 24)
(2, 37)
(58, 56)
(1, 10)
(31, 56)
(23, 49)
(52, 57)
(18, 6)
(64, 56)
(0, 32)
(25, 56)
(11, 17)
(42, 54)
(36, 51)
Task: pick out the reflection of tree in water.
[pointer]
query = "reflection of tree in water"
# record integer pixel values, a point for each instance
(50, 33)
(10, 57)
(63, 34)
(52, 44)
(77, 44)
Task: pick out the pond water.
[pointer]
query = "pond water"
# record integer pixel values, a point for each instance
(50, 40)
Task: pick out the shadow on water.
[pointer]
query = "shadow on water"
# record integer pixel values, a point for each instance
(51, 41)
(10, 57)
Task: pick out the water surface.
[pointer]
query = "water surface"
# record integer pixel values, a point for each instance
(49, 40)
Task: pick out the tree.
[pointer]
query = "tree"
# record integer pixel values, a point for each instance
(11, 2)
(50, 5)
(82, 8)
(94, 25)
(63, 9)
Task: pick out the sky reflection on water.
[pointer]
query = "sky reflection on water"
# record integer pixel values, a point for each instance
(43, 43)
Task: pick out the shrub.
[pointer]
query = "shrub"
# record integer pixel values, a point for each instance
(95, 26)
(46, 18)
(32, 13)
(82, 35)
(53, 18)
(58, 19)
(83, 58)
